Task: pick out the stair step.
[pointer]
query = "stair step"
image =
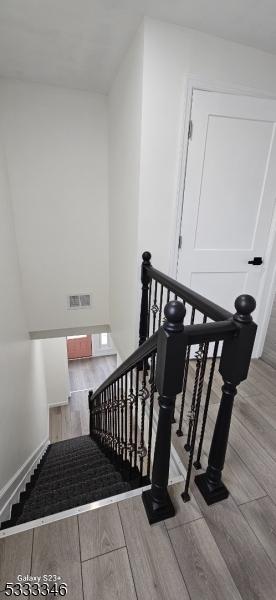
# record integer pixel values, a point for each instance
(72, 467)
(78, 500)
(72, 443)
(72, 488)
(73, 456)
(60, 482)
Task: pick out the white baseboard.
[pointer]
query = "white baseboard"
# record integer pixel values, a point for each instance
(10, 493)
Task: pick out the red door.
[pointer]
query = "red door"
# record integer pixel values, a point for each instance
(79, 346)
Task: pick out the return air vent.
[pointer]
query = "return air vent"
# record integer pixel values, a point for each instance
(79, 301)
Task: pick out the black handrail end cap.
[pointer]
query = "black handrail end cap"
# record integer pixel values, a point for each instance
(210, 493)
(157, 513)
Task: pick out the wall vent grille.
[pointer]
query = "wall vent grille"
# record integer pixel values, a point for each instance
(79, 301)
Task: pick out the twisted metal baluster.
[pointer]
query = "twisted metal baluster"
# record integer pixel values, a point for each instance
(149, 311)
(185, 495)
(197, 463)
(136, 418)
(118, 420)
(160, 306)
(198, 363)
(131, 402)
(114, 419)
(122, 418)
(185, 379)
(151, 403)
(144, 395)
(126, 420)
(154, 308)
(109, 417)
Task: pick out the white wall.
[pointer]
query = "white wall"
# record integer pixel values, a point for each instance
(56, 370)
(125, 105)
(56, 146)
(23, 404)
(171, 55)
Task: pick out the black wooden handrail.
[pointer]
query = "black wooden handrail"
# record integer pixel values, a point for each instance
(209, 308)
(138, 356)
(203, 332)
(210, 332)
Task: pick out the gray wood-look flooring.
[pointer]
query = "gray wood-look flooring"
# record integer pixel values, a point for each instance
(269, 351)
(226, 551)
(72, 420)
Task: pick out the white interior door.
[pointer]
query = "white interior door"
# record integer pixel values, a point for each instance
(229, 197)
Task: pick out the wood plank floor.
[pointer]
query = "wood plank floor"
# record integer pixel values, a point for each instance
(72, 420)
(226, 551)
(269, 351)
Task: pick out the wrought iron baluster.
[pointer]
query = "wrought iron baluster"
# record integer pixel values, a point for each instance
(109, 416)
(114, 418)
(160, 306)
(199, 354)
(185, 495)
(118, 420)
(122, 417)
(151, 403)
(149, 310)
(154, 308)
(131, 403)
(126, 417)
(144, 394)
(185, 379)
(136, 417)
(197, 463)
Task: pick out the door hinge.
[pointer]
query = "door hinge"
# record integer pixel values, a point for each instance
(190, 130)
(180, 242)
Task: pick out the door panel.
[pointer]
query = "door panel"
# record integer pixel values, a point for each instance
(79, 346)
(229, 196)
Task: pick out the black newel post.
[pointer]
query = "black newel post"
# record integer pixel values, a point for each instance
(169, 378)
(234, 365)
(144, 312)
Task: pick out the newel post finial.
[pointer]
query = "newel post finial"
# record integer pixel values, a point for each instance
(244, 305)
(175, 313)
(146, 256)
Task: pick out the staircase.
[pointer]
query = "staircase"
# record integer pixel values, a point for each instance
(174, 363)
(71, 473)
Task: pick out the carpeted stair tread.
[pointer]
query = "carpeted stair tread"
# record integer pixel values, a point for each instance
(60, 482)
(72, 502)
(68, 449)
(73, 458)
(72, 443)
(71, 489)
(73, 467)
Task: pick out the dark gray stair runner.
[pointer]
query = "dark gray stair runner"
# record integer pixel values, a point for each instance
(72, 473)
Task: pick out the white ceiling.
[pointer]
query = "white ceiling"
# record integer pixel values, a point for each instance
(80, 43)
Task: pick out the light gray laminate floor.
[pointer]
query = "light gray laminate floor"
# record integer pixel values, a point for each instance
(72, 420)
(269, 351)
(222, 552)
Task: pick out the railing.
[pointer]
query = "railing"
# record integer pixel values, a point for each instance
(118, 413)
(178, 362)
